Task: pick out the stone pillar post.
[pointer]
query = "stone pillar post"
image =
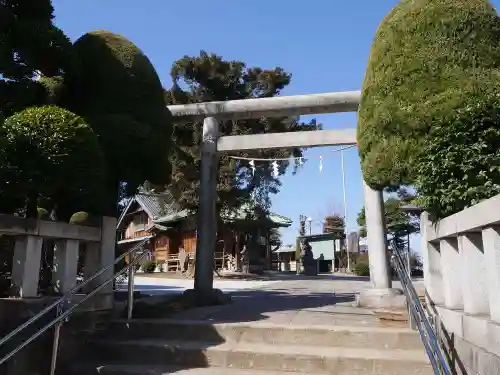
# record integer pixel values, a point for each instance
(431, 256)
(452, 273)
(382, 295)
(65, 265)
(99, 255)
(377, 239)
(475, 287)
(26, 266)
(491, 243)
(203, 292)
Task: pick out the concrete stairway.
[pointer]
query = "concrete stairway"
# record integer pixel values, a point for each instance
(190, 347)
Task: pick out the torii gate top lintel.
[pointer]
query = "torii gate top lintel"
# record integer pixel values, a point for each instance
(334, 102)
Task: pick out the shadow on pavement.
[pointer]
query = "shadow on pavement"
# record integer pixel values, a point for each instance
(256, 305)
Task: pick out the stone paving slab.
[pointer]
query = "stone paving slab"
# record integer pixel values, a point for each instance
(298, 301)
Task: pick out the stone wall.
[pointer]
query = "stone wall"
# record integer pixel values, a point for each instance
(461, 256)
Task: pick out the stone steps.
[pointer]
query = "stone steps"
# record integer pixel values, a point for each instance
(147, 346)
(167, 370)
(273, 334)
(298, 358)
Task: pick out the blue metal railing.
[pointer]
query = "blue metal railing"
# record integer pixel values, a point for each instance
(418, 315)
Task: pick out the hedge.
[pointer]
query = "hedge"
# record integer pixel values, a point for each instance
(430, 62)
(115, 87)
(49, 152)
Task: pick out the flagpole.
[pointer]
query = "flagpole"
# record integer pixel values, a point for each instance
(345, 210)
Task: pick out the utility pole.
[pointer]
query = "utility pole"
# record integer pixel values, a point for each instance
(345, 211)
(302, 232)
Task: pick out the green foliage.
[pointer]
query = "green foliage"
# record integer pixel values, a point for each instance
(362, 266)
(460, 163)
(43, 214)
(30, 43)
(116, 89)
(209, 77)
(430, 61)
(54, 89)
(49, 152)
(128, 148)
(398, 222)
(85, 219)
(275, 237)
(148, 266)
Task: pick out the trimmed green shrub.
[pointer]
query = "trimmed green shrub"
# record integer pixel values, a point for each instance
(54, 88)
(148, 266)
(84, 219)
(430, 64)
(117, 90)
(460, 163)
(120, 134)
(362, 268)
(50, 152)
(43, 214)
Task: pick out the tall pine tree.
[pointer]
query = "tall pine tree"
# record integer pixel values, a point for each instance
(209, 77)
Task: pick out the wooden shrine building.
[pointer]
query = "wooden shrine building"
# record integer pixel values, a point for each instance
(173, 230)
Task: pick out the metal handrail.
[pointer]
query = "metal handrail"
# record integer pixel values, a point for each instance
(69, 293)
(65, 314)
(419, 316)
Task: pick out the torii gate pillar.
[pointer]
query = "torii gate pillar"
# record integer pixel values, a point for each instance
(382, 295)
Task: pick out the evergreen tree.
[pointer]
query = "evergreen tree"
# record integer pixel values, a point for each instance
(209, 77)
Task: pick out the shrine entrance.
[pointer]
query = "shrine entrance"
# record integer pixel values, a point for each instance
(213, 144)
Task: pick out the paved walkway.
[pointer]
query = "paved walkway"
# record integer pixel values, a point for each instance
(155, 286)
(282, 299)
(302, 301)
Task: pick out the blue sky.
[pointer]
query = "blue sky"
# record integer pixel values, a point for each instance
(324, 43)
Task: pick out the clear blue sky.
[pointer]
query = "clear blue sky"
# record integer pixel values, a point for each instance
(323, 43)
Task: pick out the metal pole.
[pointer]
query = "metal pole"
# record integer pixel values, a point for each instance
(345, 209)
(55, 348)
(131, 275)
(207, 213)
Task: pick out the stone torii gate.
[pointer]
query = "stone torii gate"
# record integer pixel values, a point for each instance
(212, 112)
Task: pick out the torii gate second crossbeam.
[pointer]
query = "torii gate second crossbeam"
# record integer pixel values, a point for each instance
(212, 143)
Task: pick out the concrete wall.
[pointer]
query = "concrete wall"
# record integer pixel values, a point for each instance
(461, 256)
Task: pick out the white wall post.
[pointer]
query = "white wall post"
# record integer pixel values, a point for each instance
(474, 279)
(26, 266)
(65, 265)
(431, 256)
(207, 213)
(452, 273)
(491, 245)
